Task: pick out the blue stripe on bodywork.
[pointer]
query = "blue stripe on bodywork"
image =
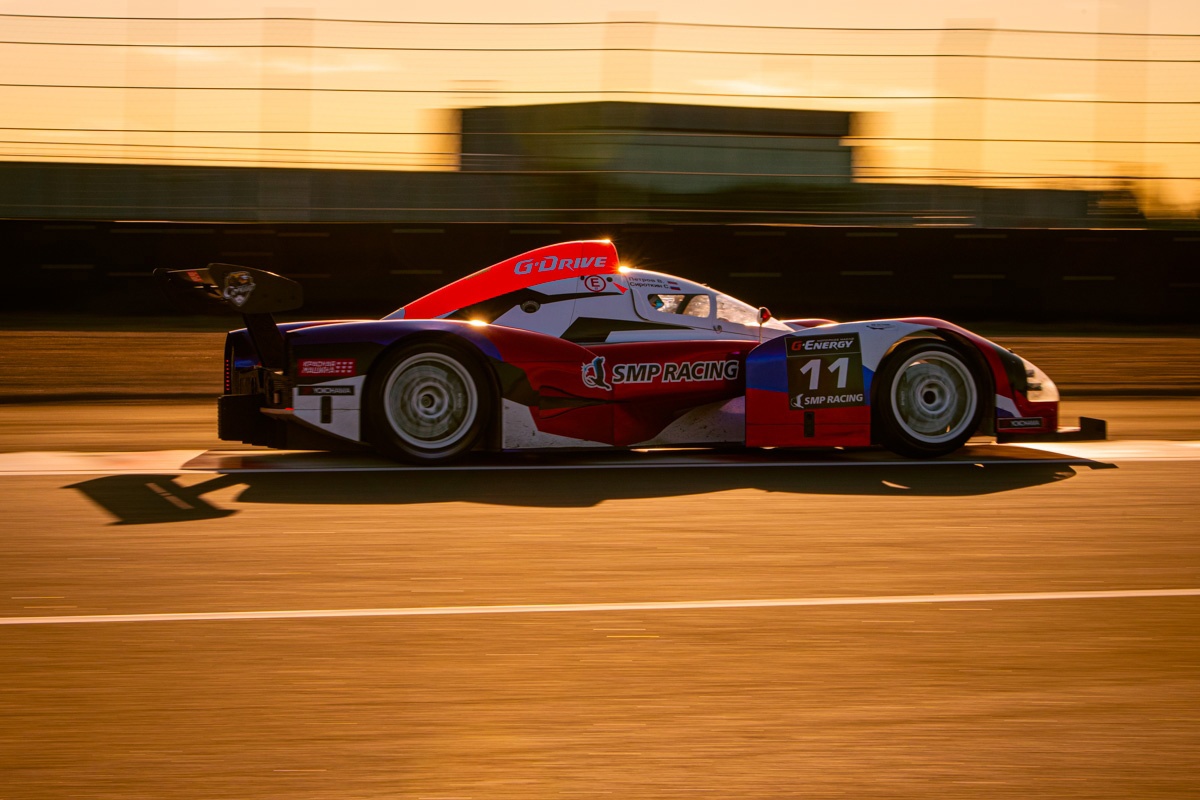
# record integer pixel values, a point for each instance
(476, 337)
(387, 332)
(766, 367)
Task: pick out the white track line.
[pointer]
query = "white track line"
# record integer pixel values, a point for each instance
(26, 464)
(51, 464)
(1123, 450)
(690, 464)
(591, 608)
(100, 463)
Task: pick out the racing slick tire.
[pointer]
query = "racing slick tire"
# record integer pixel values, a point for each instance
(427, 403)
(928, 401)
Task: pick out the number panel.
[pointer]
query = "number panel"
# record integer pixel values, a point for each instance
(825, 372)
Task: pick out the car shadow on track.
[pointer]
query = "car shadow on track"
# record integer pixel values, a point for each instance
(148, 499)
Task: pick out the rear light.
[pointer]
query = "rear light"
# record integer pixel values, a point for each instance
(228, 375)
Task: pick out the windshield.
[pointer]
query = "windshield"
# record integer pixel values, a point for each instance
(734, 311)
(657, 294)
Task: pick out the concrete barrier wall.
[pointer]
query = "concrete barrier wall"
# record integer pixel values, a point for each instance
(839, 272)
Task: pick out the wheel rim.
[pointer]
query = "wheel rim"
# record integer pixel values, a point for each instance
(934, 397)
(431, 401)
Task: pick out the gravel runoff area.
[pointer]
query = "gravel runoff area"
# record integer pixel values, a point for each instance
(117, 362)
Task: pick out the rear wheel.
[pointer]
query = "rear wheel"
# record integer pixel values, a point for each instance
(927, 400)
(427, 403)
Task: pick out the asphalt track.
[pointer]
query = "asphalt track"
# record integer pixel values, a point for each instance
(184, 619)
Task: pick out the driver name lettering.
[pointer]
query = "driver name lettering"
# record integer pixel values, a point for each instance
(642, 282)
(554, 263)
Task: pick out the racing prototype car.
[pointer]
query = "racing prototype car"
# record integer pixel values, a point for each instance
(562, 347)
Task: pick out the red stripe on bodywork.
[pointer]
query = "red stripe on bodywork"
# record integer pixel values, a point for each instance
(545, 264)
(776, 424)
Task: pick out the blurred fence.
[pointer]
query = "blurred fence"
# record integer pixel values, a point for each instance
(227, 194)
(843, 273)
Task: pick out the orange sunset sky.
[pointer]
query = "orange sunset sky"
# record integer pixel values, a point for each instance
(374, 94)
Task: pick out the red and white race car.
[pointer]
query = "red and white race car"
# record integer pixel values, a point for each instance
(562, 347)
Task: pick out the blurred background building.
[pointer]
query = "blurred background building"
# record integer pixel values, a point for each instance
(575, 162)
(663, 148)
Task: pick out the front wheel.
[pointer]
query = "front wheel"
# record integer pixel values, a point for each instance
(927, 400)
(427, 403)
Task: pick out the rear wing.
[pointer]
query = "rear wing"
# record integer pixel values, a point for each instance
(254, 293)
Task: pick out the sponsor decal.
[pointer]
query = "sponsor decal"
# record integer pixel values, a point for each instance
(238, 287)
(554, 263)
(1019, 423)
(593, 374)
(637, 373)
(880, 326)
(309, 391)
(817, 344)
(671, 372)
(824, 372)
(340, 367)
(594, 283)
(808, 402)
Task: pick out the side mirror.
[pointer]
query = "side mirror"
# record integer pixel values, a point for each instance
(763, 315)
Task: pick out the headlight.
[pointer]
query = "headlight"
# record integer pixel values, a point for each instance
(1040, 389)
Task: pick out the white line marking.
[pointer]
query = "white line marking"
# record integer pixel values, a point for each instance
(264, 462)
(1123, 450)
(589, 608)
(224, 462)
(1069, 453)
(105, 463)
(688, 464)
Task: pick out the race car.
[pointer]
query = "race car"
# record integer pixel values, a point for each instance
(564, 347)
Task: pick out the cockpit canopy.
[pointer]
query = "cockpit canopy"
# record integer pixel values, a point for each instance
(578, 291)
(658, 297)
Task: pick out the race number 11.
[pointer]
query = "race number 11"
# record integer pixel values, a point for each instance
(813, 370)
